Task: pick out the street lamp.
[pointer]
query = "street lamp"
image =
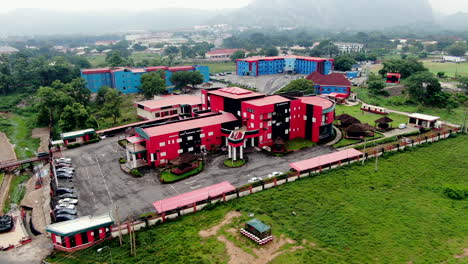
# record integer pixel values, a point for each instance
(99, 250)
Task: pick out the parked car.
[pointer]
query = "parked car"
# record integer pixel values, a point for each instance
(68, 201)
(67, 160)
(6, 223)
(254, 179)
(63, 165)
(64, 217)
(66, 211)
(60, 191)
(274, 174)
(64, 176)
(42, 154)
(66, 169)
(64, 206)
(67, 195)
(65, 173)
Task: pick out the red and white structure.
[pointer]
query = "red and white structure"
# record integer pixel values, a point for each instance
(168, 107)
(221, 54)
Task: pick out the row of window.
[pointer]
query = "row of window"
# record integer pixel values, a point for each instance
(202, 135)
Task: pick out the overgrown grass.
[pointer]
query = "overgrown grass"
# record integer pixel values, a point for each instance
(19, 130)
(450, 69)
(346, 142)
(368, 117)
(17, 191)
(298, 143)
(398, 214)
(216, 67)
(127, 110)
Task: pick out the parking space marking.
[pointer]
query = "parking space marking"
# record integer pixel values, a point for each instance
(174, 189)
(194, 187)
(190, 182)
(104, 179)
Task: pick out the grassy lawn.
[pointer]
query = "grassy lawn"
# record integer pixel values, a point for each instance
(398, 214)
(450, 69)
(234, 164)
(456, 115)
(127, 110)
(298, 143)
(18, 129)
(96, 60)
(168, 176)
(17, 191)
(367, 117)
(216, 67)
(346, 142)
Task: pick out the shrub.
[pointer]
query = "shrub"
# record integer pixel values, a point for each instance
(456, 192)
(136, 173)
(70, 146)
(122, 161)
(91, 141)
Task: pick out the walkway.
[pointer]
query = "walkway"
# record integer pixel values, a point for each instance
(338, 137)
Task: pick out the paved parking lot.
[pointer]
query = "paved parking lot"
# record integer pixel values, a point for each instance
(100, 183)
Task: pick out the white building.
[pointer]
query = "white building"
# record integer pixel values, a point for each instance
(349, 47)
(453, 59)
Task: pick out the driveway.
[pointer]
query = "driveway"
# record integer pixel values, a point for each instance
(101, 185)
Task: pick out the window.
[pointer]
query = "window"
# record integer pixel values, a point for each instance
(250, 110)
(252, 116)
(269, 136)
(180, 151)
(245, 114)
(157, 114)
(163, 154)
(261, 138)
(189, 137)
(210, 133)
(286, 131)
(202, 135)
(314, 120)
(179, 140)
(261, 125)
(305, 118)
(190, 149)
(162, 144)
(287, 119)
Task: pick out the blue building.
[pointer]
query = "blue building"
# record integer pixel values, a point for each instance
(256, 66)
(128, 80)
(332, 84)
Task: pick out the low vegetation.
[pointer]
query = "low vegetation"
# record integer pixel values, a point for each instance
(167, 176)
(234, 163)
(19, 131)
(346, 142)
(17, 191)
(298, 143)
(398, 214)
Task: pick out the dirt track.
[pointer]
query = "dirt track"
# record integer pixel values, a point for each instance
(43, 134)
(7, 151)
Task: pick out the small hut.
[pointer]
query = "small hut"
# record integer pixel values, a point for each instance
(359, 131)
(278, 145)
(342, 117)
(183, 163)
(384, 123)
(257, 231)
(346, 122)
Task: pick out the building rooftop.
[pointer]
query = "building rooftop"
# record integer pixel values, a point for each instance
(78, 133)
(269, 100)
(188, 124)
(258, 58)
(258, 225)
(171, 100)
(333, 79)
(423, 117)
(222, 51)
(316, 162)
(81, 224)
(181, 68)
(318, 101)
(235, 93)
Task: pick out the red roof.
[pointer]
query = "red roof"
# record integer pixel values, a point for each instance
(316, 162)
(192, 197)
(235, 93)
(96, 70)
(171, 100)
(317, 100)
(180, 68)
(269, 100)
(394, 74)
(155, 68)
(189, 124)
(334, 79)
(259, 58)
(222, 51)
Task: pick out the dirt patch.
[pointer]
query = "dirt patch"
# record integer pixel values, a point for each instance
(43, 134)
(237, 255)
(5, 190)
(7, 150)
(463, 255)
(214, 230)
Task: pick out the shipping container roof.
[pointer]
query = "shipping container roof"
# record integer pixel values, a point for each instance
(324, 160)
(81, 224)
(269, 100)
(260, 58)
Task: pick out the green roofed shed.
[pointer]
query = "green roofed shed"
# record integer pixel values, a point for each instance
(258, 228)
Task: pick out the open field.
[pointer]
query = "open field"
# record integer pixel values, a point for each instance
(398, 214)
(450, 69)
(367, 117)
(19, 130)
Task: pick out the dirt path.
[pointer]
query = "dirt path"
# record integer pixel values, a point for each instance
(43, 134)
(5, 190)
(463, 255)
(237, 255)
(7, 151)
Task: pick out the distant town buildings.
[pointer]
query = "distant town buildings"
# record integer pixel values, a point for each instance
(345, 48)
(453, 59)
(128, 80)
(221, 54)
(7, 50)
(255, 66)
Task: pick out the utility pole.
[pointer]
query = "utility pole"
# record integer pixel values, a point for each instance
(134, 240)
(118, 223)
(129, 223)
(376, 162)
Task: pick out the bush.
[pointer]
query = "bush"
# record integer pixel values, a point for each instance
(91, 141)
(456, 192)
(136, 173)
(122, 161)
(71, 146)
(234, 164)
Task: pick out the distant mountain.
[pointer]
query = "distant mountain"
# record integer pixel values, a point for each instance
(458, 21)
(336, 14)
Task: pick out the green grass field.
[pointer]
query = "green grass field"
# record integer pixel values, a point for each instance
(346, 142)
(127, 110)
(17, 191)
(450, 69)
(398, 214)
(298, 143)
(367, 117)
(18, 129)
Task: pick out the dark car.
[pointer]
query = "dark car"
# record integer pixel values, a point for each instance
(6, 223)
(42, 154)
(63, 165)
(60, 191)
(66, 211)
(64, 176)
(67, 195)
(64, 217)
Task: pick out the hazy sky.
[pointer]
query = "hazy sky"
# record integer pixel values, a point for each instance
(444, 6)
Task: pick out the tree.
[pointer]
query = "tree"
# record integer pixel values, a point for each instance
(299, 85)
(441, 74)
(77, 90)
(377, 88)
(139, 47)
(424, 87)
(457, 49)
(101, 95)
(152, 84)
(171, 50)
(114, 59)
(463, 84)
(344, 63)
(183, 78)
(51, 102)
(112, 103)
(431, 48)
(76, 117)
(271, 51)
(238, 54)
(360, 56)
(405, 67)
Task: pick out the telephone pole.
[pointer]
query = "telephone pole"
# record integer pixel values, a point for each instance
(118, 223)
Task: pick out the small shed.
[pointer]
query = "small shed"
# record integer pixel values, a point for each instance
(79, 136)
(359, 130)
(424, 121)
(383, 122)
(257, 231)
(393, 77)
(346, 122)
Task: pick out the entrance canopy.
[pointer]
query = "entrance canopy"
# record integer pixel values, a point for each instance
(313, 163)
(190, 198)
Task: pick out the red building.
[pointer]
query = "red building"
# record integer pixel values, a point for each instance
(335, 84)
(393, 77)
(235, 118)
(77, 137)
(80, 233)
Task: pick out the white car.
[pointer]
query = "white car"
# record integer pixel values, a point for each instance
(66, 170)
(63, 160)
(254, 179)
(65, 206)
(274, 174)
(68, 201)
